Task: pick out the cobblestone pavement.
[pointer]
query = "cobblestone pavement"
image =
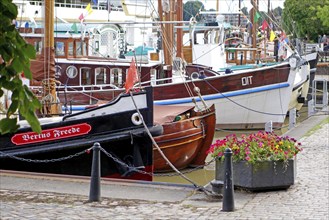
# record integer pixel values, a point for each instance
(308, 198)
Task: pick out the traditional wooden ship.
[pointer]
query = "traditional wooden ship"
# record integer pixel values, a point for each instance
(244, 99)
(119, 126)
(187, 135)
(63, 145)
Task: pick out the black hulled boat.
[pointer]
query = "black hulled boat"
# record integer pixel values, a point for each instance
(64, 145)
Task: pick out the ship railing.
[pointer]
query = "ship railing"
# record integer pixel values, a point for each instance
(82, 6)
(82, 89)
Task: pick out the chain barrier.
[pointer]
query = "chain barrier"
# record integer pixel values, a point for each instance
(150, 173)
(124, 164)
(116, 160)
(46, 160)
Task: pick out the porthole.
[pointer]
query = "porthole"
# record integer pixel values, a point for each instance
(71, 72)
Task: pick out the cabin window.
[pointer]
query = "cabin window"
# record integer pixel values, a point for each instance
(153, 74)
(70, 48)
(71, 72)
(116, 77)
(38, 46)
(85, 74)
(60, 48)
(79, 48)
(96, 46)
(84, 49)
(100, 75)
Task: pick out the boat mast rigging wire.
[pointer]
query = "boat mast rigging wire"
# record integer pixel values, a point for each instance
(201, 188)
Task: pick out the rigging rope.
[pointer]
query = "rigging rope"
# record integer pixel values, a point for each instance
(203, 189)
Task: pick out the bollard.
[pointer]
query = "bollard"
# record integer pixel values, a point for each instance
(95, 181)
(292, 118)
(217, 183)
(310, 108)
(228, 188)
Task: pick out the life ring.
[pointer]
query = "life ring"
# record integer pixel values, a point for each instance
(136, 119)
(195, 75)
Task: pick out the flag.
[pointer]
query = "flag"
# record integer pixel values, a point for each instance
(284, 38)
(256, 17)
(74, 28)
(88, 10)
(272, 35)
(265, 25)
(131, 77)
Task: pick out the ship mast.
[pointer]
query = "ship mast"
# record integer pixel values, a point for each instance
(49, 100)
(167, 30)
(179, 30)
(254, 10)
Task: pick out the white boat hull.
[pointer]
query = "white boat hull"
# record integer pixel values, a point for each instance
(248, 109)
(300, 89)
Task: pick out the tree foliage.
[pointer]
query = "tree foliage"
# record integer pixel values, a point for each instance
(245, 11)
(306, 19)
(15, 55)
(192, 9)
(323, 14)
(277, 11)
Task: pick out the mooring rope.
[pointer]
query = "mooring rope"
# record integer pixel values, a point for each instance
(201, 188)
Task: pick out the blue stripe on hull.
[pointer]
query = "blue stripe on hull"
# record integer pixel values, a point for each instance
(220, 95)
(74, 108)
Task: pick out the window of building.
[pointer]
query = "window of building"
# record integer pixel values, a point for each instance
(59, 48)
(70, 48)
(78, 48)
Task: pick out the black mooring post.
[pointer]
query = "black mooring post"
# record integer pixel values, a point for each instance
(217, 183)
(95, 181)
(228, 188)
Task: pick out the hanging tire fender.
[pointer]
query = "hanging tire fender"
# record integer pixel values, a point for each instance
(136, 119)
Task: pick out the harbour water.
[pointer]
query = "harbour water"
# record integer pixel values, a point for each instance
(203, 176)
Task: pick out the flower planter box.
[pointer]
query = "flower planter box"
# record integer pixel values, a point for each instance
(265, 175)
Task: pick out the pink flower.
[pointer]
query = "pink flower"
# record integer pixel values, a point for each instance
(261, 145)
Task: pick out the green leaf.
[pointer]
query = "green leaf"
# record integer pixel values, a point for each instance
(15, 95)
(8, 125)
(16, 65)
(16, 55)
(13, 107)
(27, 72)
(29, 50)
(31, 117)
(10, 10)
(35, 103)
